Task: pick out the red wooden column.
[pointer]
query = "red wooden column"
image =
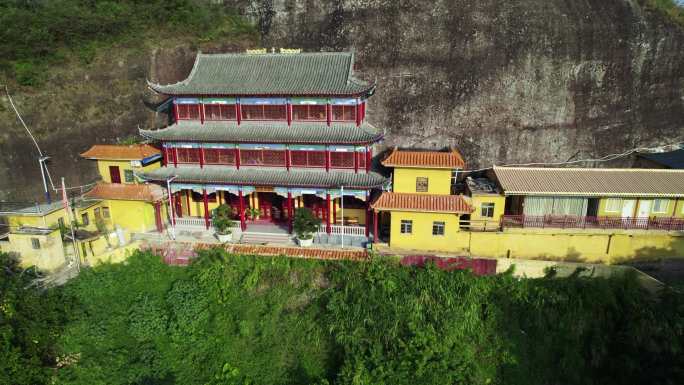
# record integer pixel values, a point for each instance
(201, 111)
(328, 113)
(290, 214)
(369, 158)
(241, 207)
(375, 226)
(334, 215)
(287, 159)
(288, 108)
(164, 155)
(174, 152)
(327, 159)
(238, 111)
(187, 200)
(179, 205)
(175, 111)
(201, 156)
(368, 215)
(237, 157)
(356, 161)
(206, 207)
(358, 115)
(327, 214)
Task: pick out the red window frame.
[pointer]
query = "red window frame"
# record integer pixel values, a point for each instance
(343, 113)
(224, 156)
(219, 112)
(263, 157)
(309, 159)
(188, 111)
(361, 156)
(342, 159)
(309, 112)
(188, 155)
(263, 111)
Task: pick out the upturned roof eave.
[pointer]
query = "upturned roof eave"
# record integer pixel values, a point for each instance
(164, 90)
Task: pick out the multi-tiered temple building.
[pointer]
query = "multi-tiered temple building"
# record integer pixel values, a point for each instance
(268, 133)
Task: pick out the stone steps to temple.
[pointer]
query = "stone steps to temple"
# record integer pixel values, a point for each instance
(265, 238)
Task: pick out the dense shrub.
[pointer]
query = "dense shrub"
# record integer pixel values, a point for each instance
(230, 319)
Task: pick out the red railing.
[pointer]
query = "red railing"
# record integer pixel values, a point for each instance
(577, 222)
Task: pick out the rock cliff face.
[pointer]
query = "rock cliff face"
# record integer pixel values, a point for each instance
(504, 81)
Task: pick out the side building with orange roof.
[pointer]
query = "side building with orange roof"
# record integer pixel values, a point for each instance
(129, 204)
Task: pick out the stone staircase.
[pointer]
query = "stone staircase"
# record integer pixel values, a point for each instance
(255, 238)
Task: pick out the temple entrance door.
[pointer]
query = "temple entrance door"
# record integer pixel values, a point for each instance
(271, 207)
(114, 174)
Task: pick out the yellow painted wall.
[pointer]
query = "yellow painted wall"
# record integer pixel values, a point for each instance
(478, 199)
(439, 180)
(50, 255)
(45, 221)
(103, 168)
(92, 225)
(558, 245)
(133, 216)
(675, 208)
(421, 238)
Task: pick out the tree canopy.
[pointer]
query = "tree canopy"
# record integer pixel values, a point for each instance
(233, 319)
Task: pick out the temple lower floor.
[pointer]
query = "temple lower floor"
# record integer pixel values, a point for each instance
(340, 210)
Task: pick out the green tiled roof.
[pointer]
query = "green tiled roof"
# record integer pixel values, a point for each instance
(270, 74)
(267, 176)
(266, 132)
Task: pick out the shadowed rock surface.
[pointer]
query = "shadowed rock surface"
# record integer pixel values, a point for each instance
(506, 82)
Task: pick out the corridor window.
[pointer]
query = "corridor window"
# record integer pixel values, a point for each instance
(309, 112)
(85, 219)
(660, 206)
(264, 112)
(344, 113)
(421, 184)
(188, 111)
(614, 205)
(105, 212)
(219, 111)
(437, 228)
(406, 226)
(342, 159)
(487, 210)
(35, 243)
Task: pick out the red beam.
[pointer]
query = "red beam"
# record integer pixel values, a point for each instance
(206, 208)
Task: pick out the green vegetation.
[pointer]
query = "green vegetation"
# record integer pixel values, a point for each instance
(222, 218)
(668, 7)
(305, 223)
(231, 319)
(38, 34)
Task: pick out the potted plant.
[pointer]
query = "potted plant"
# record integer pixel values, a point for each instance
(222, 218)
(253, 213)
(305, 225)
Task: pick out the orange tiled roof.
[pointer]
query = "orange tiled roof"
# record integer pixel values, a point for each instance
(131, 192)
(427, 159)
(429, 203)
(120, 152)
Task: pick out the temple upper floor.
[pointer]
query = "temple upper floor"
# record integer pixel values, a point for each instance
(290, 109)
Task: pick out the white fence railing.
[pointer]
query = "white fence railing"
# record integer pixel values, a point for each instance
(347, 230)
(191, 222)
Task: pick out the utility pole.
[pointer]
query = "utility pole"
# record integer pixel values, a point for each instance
(342, 212)
(65, 200)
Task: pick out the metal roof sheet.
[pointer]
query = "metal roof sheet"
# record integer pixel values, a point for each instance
(591, 182)
(671, 159)
(267, 176)
(320, 73)
(266, 132)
